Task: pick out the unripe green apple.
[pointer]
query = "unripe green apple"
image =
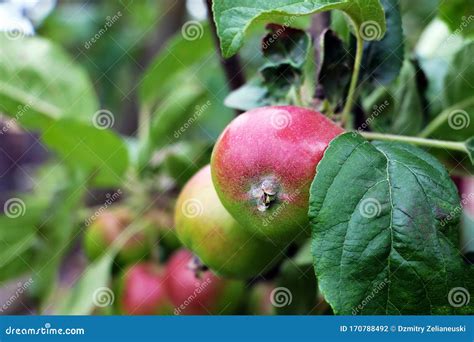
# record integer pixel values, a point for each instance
(206, 228)
(263, 165)
(105, 229)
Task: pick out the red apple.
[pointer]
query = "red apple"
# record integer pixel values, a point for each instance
(196, 291)
(263, 165)
(143, 292)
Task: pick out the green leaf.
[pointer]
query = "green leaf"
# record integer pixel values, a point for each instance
(456, 121)
(176, 62)
(233, 18)
(435, 50)
(397, 109)
(99, 152)
(336, 67)
(57, 231)
(304, 255)
(18, 236)
(287, 59)
(388, 243)
(251, 95)
(93, 283)
(184, 159)
(289, 48)
(176, 112)
(458, 16)
(382, 60)
(39, 83)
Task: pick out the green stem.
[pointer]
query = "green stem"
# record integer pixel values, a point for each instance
(448, 145)
(143, 123)
(443, 117)
(294, 96)
(346, 113)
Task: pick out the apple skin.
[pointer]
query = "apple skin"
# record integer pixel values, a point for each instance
(259, 301)
(199, 293)
(263, 164)
(142, 291)
(103, 231)
(215, 236)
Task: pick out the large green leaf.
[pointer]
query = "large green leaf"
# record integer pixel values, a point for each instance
(42, 87)
(234, 17)
(174, 62)
(385, 230)
(97, 151)
(39, 82)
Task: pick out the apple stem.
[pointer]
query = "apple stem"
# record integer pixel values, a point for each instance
(442, 144)
(346, 112)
